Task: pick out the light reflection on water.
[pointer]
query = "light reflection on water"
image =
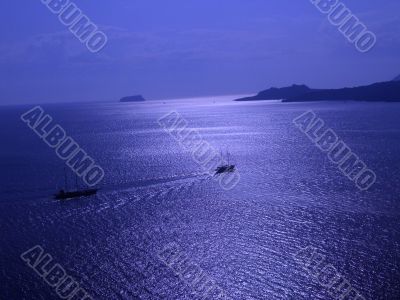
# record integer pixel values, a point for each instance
(289, 197)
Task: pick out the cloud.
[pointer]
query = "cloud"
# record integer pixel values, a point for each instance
(57, 48)
(132, 47)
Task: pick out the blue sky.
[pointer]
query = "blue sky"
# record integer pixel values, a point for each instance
(176, 48)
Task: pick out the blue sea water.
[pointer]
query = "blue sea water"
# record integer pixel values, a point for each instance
(290, 196)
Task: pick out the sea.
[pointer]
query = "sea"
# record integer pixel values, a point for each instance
(160, 225)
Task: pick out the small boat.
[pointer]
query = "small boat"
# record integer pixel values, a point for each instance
(62, 195)
(65, 194)
(225, 168)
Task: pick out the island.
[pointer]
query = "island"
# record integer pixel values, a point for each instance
(136, 98)
(388, 91)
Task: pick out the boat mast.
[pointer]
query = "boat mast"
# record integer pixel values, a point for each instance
(65, 180)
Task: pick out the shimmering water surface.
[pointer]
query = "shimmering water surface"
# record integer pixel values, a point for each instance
(290, 196)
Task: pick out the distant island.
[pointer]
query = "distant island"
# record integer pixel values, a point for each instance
(136, 98)
(388, 91)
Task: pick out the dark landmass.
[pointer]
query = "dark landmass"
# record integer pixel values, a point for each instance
(397, 78)
(383, 91)
(136, 98)
(279, 93)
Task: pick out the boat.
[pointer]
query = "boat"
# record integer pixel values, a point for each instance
(65, 194)
(225, 168)
(62, 195)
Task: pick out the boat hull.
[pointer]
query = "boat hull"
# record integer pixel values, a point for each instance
(76, 194)
(224, 169)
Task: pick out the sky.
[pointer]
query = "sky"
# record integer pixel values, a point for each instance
(189, 48)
